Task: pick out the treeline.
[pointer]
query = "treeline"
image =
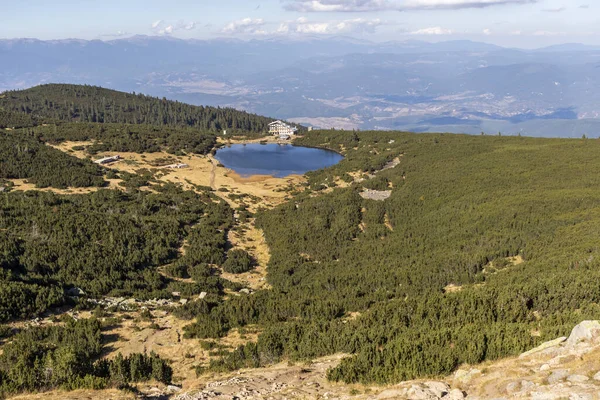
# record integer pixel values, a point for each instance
(23, 156)
(373, 279)
(106, 243)
(94, 104)
(68, 357)
(10, 119)
(129, 138)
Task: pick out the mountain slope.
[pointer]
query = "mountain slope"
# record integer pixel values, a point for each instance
(94, 104)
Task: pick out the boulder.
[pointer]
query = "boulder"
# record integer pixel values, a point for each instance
(455, 394)
(438, 389)
(513, 387)
(392, 394)
(544, 346)
(419, 393)
(584, 332)
(577, 378)
(597, 376)
(558, 376)
(545, 367)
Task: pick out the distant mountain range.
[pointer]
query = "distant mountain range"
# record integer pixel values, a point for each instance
(454, 86)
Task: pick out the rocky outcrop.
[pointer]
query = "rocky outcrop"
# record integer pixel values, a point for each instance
(564, 368)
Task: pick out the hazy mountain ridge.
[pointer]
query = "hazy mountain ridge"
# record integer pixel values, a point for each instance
(325, 82)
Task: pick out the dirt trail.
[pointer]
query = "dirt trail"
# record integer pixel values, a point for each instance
(212, 174)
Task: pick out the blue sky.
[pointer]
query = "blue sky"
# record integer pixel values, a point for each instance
(520, 23)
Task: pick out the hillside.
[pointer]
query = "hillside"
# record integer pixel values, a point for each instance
(58, 102)
(415, 255)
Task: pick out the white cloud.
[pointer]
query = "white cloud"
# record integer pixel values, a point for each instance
(487, 32)
(387, 5)
(246, 25)
(161, 27)
(356, 25)
(117, 34)
(302, 25)
(435, 30)
(548, 33)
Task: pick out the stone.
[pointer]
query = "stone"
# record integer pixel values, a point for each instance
(597, 376)
(545, 367)
(558, 376)
(418, 393)
(584, 332)
(183, 301)
(513, 387)
(577, 378)
(544, 346)
(202, 295)
(392, 394)
(464, 375)
(439, 389)
(527, 385)
(455, 394)
(245, 290)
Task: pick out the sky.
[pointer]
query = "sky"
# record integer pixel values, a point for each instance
(514, 23)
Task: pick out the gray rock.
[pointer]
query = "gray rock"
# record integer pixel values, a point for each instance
(597, 376)
(245, 290)
(584, 332)
(513, 387)
(438, 389)
(544, 346)
(455, 394)
(202, 295)
(527, 385)
(578, 378)
(392, 394)
(558, 376)
(545, 367)
(418, 393)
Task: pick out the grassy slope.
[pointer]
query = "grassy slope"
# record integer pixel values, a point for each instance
(467, 204)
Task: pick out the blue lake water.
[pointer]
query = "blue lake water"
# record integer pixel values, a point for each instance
(275, 159)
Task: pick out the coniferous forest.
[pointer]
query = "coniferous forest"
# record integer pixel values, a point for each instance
(486, 247)
(94, 104)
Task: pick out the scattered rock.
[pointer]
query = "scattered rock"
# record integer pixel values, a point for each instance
(378, 195)
(585, 331)
(202, 295)
(438, 389)
(455, 394)
(597, 376)
(418, 393)
(578, 378)
(545, 367)
(245, 290)
(527, 385)
(513, 387)
(558, 376)
(392, 394)
(464, 375)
